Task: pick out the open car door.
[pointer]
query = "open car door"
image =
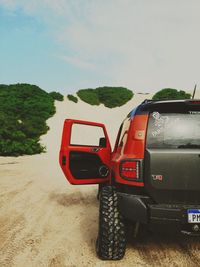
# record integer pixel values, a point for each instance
(85, 152)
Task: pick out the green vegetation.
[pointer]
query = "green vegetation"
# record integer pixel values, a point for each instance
(111, 97)
(169, 93)
(89, 96)
(56, 96)
(72, 98)
(114, 96)
(24, 110)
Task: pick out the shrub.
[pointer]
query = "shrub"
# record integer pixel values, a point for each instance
(56, 96)
(24, 109)
(89, 96)
(168, 93)
(113, 97)
(109, 96)
(72, 98)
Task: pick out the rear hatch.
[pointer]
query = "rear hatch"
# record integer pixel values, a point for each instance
(172, 157)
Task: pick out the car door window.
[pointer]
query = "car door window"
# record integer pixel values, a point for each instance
(86, 135)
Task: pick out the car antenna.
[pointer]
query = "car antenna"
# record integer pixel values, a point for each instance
(195, 87)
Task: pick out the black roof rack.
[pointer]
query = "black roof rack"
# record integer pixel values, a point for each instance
(147, 101)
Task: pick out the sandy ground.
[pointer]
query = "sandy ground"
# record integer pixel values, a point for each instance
(44, 221)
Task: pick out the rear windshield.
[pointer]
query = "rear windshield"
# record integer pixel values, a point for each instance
(174, 130)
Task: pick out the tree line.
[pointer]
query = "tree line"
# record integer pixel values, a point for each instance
(24, 109)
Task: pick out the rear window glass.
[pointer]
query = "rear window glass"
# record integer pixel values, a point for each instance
(174, 130)
(124, 132)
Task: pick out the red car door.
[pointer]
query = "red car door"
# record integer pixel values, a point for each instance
(85, 152)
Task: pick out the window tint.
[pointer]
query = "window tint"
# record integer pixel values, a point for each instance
(86, 135)
(174, 130)
(124, 132)
(118, 137)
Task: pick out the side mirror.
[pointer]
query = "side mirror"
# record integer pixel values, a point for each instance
(102, 142)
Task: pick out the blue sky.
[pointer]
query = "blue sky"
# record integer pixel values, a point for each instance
(65, 45)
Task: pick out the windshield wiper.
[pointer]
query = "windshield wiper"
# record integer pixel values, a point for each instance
(189, 145)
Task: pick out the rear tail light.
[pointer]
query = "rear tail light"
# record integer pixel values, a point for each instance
(130, 170)
(194, 102)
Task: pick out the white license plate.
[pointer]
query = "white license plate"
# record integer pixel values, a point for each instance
(193, 216)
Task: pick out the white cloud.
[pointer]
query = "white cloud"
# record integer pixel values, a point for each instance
(138, 43)
(76, 61)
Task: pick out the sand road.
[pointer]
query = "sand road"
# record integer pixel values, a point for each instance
(44, 221)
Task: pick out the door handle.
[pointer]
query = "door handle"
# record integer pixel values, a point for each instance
(95, 149)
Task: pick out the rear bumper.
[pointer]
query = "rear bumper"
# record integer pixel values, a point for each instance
(140, 209)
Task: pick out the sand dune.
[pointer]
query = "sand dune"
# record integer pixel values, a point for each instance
(44, 221)
(112, 118)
